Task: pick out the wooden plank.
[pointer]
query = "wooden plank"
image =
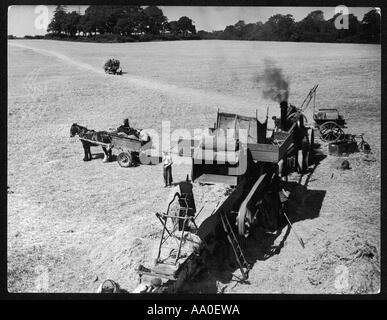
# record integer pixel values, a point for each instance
(208, 218)
(161, 270)
(262, 147)
(221, 157)
(283, 149)
(280, 135)
(215, 178)
(265, 156)
(207, 210)
(125, 143)
(233, 115)
(264, 152)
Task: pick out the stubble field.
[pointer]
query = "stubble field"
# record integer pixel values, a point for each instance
(71, 223)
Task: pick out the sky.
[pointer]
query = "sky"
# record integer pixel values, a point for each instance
(32, 20)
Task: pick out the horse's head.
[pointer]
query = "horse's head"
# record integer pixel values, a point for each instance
(74, 130)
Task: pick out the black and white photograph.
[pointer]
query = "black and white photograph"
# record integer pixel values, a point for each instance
(155, 149)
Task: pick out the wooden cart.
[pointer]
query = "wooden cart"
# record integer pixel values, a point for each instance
(129, 148)
(330, 124)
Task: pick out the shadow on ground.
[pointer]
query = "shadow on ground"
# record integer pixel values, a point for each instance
(222, 268)
(101, 155)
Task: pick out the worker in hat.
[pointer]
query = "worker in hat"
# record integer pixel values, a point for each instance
(125, 128)
(167, 168)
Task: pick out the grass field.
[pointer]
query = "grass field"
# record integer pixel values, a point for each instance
(73, 223)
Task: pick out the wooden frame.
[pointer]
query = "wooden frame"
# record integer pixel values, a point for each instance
(266, 152)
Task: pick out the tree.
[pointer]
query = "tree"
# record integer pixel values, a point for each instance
(155, 20)
(185, 25)
(130, 19)
(254, 31)
(94, 20)
(314, 21)
(314, 28)
(281, 26)
(101, 19)
(57, 23)
(371, 26)
(137, 19)
(240, 25)
(70, 24)
(173, 27)
(230, 33)
(353, 30)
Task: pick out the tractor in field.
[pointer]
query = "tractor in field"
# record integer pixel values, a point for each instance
(112, 66)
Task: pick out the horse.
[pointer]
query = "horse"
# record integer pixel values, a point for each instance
(99, 136)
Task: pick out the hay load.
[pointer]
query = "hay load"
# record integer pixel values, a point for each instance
(112, 66)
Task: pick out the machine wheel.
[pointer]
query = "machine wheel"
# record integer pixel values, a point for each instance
(330, 131)
(244, 221)
(125, 160)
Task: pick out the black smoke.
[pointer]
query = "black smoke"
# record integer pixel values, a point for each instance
(275, 86)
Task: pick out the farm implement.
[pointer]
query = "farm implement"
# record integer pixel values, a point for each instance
(112, 66)
(245, 170)
(130, 148)
(328, 122)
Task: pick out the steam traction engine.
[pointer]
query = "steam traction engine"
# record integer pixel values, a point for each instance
(247, 168)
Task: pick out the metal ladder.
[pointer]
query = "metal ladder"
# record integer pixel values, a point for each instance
(244, 266)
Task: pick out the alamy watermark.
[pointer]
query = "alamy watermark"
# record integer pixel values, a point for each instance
(42, 20)
(342, 20)
(35, 89)
(220, 147)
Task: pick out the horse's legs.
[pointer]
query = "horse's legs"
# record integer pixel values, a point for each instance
(106, 155)
(89, 153)
(85, 158)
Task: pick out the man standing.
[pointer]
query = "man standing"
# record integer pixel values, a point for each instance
(167, 168)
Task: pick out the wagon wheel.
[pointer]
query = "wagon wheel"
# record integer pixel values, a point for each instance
(125, 160)
(244, 221)
(330, 131)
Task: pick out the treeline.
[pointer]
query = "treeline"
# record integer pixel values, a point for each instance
(119, 23)
(313, 28)
(135, 23)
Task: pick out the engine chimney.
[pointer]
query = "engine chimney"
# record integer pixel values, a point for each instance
(284, 111)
